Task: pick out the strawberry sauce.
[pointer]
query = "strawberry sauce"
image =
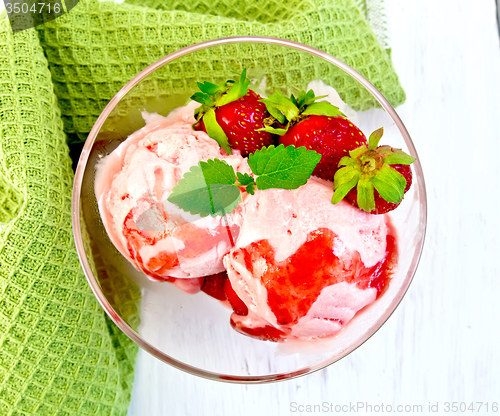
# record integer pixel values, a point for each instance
(294, 284)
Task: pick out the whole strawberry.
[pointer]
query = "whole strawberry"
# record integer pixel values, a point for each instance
(373, 178)
(318, 126)
(233, 115)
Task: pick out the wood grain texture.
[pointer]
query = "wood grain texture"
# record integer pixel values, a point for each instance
(441, 344)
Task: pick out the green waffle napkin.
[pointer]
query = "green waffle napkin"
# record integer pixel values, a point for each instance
(99, 46)
(59, 353)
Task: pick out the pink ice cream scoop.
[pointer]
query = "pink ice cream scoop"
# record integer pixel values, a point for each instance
(303, 266)
(132, 187)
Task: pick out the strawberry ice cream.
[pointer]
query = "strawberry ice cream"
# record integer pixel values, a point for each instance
(305, 269)
(132, 187)
(291, 264)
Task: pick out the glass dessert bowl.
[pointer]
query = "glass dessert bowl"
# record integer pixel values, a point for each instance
(192, 331)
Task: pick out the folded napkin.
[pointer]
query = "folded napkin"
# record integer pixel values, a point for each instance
(99, 46)
(59, 353)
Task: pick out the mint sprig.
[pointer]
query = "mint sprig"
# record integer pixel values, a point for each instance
(211, 188)
(248, 181)
(283, 167)
(208, 188)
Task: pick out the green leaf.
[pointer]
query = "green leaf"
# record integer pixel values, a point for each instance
(244, 179)
(210, 88)
(384, 151)
(277, 114)
(390, 184)
(375, 138)
(399, 158)
(345, 179)
(344, 175)
(207, 189)
(237, 90)
(365, 195)
(281, 107)
(306, 98)
(322, 108)
(283, 167)
(201, 98)
(279, 132)
(215, 131)
(347, 161)
(358, 152)
(251, 189)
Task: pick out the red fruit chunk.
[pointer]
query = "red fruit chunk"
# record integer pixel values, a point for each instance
(264, 333)
(332, 137)
(237, 304)
(214, 285)
(219, 287)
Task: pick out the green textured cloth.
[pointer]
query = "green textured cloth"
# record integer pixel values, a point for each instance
(59, 353)
(99, 46)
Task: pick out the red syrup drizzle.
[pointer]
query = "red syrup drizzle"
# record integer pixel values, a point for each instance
(293, 285)
(219, 287)
(264, 333)
(213, 285)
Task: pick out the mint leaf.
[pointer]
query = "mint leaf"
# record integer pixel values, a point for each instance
(244, 179)
(248, 181)
(250, 189)
(282, 167)
(208, 188)
(215, 131)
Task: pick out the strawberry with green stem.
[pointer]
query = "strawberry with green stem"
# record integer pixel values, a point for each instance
(373, 178)
(317, 125)
(233, 115)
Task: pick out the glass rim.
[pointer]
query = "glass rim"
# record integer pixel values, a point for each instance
(82, 164)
